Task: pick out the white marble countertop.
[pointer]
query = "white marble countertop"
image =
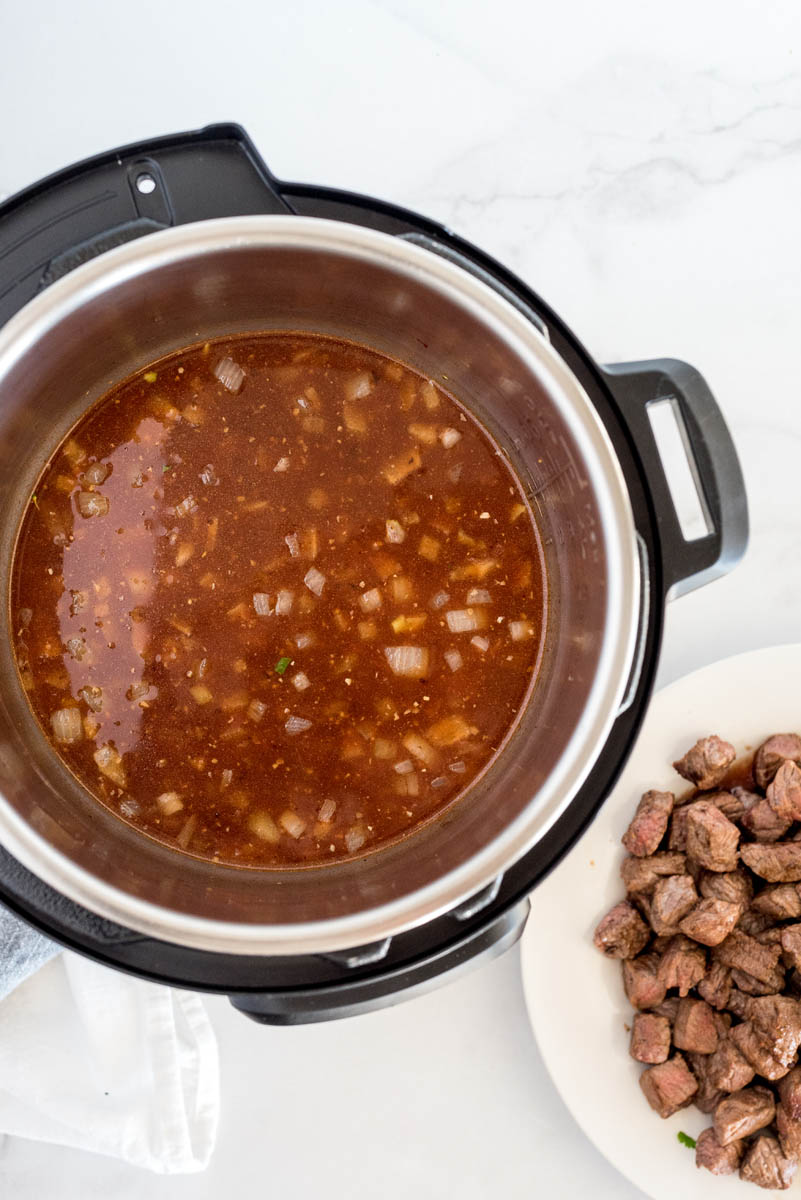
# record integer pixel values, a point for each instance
(643, 172)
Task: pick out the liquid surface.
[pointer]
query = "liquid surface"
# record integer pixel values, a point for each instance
(277, 600)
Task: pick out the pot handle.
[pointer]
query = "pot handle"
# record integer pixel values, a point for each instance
(353, 997)
(102, 202)
(687, 563)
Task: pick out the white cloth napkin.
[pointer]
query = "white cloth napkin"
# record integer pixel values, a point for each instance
(98, 1060)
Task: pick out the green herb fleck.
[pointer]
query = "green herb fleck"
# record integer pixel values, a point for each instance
(35, 500)
(282, 665)
(167, 467)
(150, 376)
(686, 1140)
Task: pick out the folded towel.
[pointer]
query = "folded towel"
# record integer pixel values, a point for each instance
(98, 1060)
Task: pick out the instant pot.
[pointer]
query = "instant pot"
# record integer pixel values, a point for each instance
(122, 258)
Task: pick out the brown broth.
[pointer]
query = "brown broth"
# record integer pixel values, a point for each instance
(181, 623)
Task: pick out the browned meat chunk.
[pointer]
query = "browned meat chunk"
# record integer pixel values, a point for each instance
(782, 901)
(669, 1086)
(780, 863)
(766, 1166)
(715, 987)
(650, 1038)
(711, 921)
(784, 793)
(743, 1113)
(668, 1008)
(640, 874)
(683, 964)
(728, 1069)
(778, 1020)
(790, 1093)
(649, 824)
(754, 923)
(758, 987)
(708, 1097)
(789, 1131)
(732, 886)
(752, 1046)
(673, 898)
(711, 838)
(677, 840)
(710, 1154)
(695, 1027)
(764, 823)
(791, 945)
(738, 1002)
(622, 933)
(747, 954)
(772, 753)
(707, 762)
(641, 981)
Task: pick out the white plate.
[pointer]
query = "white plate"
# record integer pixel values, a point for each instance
(575, 996)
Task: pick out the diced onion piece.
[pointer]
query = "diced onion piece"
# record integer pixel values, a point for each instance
(97, 473)
(187, 506)
(256, 709)
(427, 434)
(169, 803)
(355, 419)
(455, 473)
(440, 782)
(200, 693)
(262, 605)
(301, 681)
(402, 465)
(448, 730)
(457, 767)
(293, 544)
(358, 386)
(395, 531)
(449, 437)
(67, 725)
(314, 580)
(371, 600)
(283, 603)
(463, 620)
(109, 763)
(520, 630)
(430, 395)
(383, 748)
(93, 696)
(479, 596)
(429, 548)
(403, 768)
(225, 778)
(408, 785)
(92, 504)
(292, 823)
(402, 589)
(294, 725)
(282, 465)
(303, 640)
(184, 835)
(480, 643)
(327, 810)
(440, 599)
(264, 827)
(475, 568)
(411, 661)
(230, 374)
(208, 476)
(454, 659)
(355, 839)
(409, 624)
(367, 630)
(417, 745)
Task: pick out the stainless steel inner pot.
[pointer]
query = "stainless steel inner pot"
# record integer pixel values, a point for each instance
(114, 314)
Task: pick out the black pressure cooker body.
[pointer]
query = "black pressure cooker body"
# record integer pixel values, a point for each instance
(101, 203)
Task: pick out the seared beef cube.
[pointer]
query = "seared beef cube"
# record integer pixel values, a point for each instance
(683, 964)
(782, 901)
(673, 898)
(715, 987)
(669, 1086)
(738, 1002)
(649, 824)
(729, 803)
(764, 823)
(754, 923)
(695, 1027)
(791, 946)
(710, 1154)
(708, 1097)
(766, 1166)
(743, 1113)
(622, 933)
(677, 839)
(753, 1047)
(728, 1069)
(650, 1038)
(711, 838)
(777, 862)
(733, 886)
(668, 1008)
(747, 954)
(758, 987)
(641, 981)
(789, 1130)
(711, 921)
(790, 1093)
(778, 1020)
(784, 792)
(770, 937)
(772, 753)
(640, 874)
(707, 762)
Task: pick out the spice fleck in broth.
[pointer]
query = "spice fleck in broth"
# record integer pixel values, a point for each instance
(277, 600)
